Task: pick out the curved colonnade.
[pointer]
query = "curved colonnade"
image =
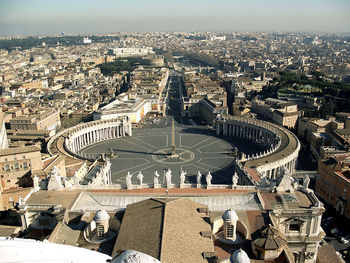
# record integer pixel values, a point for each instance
(85, 134)
(283, 146)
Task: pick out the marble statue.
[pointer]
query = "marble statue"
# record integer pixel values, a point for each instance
(182, 177)
(265, 182)
(285, 184)
(168, 178)
(306, 182)
(75, 180)
(208, 178)
(282, 171)
(104, 178)
(21, 200)
(128, 181)
(155, 178)
(235, 179)
(55, 180)
(68, 184)
(36, 183)
(199, 177)
(140, 178)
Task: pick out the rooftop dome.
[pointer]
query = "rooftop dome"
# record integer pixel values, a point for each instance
(239, 256)
(132, 256)
(269, 239)
(101, 215)
(230, 216)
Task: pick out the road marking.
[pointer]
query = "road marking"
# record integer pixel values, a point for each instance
(145, 168)
(126, 158)
(144, 142)
(218, 168)
(216, 152)
(167, 141)
(200, 142)
(208, 158)
(200, 167)
(210, 143)
(149, 150)
(130, 168)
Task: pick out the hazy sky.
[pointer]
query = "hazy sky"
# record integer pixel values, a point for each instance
(89, 16)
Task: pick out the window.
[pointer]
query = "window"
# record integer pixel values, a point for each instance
(294, 227)
(25, 165)
(229, 231)
(16, 166)
(7, 167)
(100, 231)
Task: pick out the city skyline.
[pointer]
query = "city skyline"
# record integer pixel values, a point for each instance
(37, 17)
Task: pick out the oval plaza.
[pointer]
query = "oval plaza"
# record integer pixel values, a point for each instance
(281, 145)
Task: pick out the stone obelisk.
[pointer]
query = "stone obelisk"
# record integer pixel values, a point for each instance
(173, 154)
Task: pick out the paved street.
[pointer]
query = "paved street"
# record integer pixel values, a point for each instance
(199, 149)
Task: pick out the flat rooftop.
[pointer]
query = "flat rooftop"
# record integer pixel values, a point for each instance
(216, 202)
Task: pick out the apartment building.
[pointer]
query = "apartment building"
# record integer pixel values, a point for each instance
(333, 184)
(48, 119)
(16, 163)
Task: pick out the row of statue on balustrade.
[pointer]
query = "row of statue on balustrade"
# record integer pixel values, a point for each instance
(168, 177)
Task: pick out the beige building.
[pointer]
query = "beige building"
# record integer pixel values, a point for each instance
(280, 112)
(308, 126)
(3, 135)
(63, 94)
(35, 85)
(42, 120)
(344, 117)
(286, 115)
(204, 97)
(333, 183)
(16, 164)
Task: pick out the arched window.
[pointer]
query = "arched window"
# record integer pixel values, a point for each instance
(100, 231)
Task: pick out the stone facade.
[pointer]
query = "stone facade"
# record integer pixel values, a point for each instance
(82, 135)
(301, 228)
(283, 145)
